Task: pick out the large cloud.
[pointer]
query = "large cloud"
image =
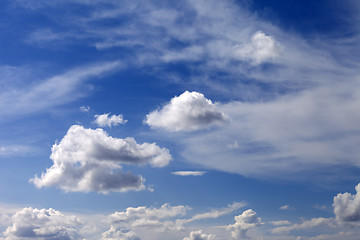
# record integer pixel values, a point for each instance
(347, 206)
(187, 112)
(90, 160)
(46, 224)
(244, 222)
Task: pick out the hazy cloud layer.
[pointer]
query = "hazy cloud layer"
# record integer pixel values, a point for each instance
(187, 112)
(90, 160)
(189, 173)
(105, 121)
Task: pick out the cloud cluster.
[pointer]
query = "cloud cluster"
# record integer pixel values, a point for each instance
(105, 121)
(119, 234)
(261, 48)
(32, 223)
(90, 160)
(244, 222)
(189, 173)
(347, 206)
(187, 112)
(199, 235)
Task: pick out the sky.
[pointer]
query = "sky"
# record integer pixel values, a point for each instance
(189, 120)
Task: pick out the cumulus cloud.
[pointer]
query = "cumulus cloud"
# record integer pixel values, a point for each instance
(244, 222)
(199, 235)
(347, 206)
(115, 233)
(261, 48)
(90, 160)
(33, 223)
(104, 120)
(187, 112)
(189, 173)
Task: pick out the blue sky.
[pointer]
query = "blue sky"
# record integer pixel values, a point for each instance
(179, 120)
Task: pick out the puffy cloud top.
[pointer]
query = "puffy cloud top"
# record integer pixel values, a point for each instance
(35, 223)
(198, 235)
(347, 206)
(104, 120)
(244, 222)
(260, 49)
(89, 160)
(187, 112)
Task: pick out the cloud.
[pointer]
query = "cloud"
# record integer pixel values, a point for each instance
(244, 222)
(314, 222)
(262, 48)
(198, 235)
(286, 207)
(188, 112)
(84, 108)
(118, 234)
(90, 160)
(33, 223)
(104, 120)
(53, 91)
(347, 206)
(189, 173)
(280, 223)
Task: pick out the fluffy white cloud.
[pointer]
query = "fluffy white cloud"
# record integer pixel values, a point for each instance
(48, 224)
(244, 222)
(347, 206)
(187, 112)
(261, 48)
(90, 160)
(189, 173)
(104, 120)
(119, 234)
(199, 235)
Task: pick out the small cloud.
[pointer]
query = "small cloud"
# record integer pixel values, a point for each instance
(85, 108)
(104, 120)
(286, 207)
(188, 112)
(199, 235)
(280, 223)
(234, 145)
(244, 222)
(189, 173)
(261, 48)
(320, 207)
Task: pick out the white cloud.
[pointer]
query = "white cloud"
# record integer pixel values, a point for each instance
(314, 222)
(243, 223)
(187, 112)
(118, 234)
(53, 91)
(44, 224)
(85, 108)
(262, 48)
(104, 120)
(90, 160)
(286, 207)
(199, 235)
(189, 173)
(347, 206)
(280, 223)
